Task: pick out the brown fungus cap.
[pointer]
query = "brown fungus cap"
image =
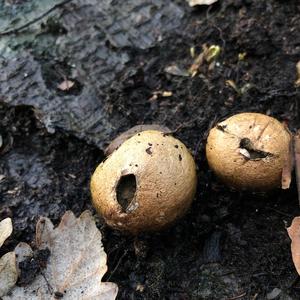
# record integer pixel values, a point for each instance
(146, 184)
(248, 151)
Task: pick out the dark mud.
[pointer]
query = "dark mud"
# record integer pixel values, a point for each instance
(230, 244)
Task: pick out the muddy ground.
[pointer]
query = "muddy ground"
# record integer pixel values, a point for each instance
(230, 245)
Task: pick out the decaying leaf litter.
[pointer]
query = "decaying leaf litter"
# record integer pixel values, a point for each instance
(8, 266)
(73, 267)
(38, 164)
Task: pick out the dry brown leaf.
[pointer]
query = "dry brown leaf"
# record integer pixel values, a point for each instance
(22, 251)
(76, 265)
(167, 93)
(288, 166)
(297, 82)
(8, 273)
(233, 85)
(5, 230)
(201, 2)
(297, 160)
(8, 268)
(294, 234)
(66, 85)
(208, 55)
(197, 62)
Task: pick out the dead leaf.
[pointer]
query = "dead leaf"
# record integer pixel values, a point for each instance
(157, 94)
(22, 251)
(297, 160)
(242, 56)
(76, 265)
(245, 88)
(274, 294)
(208, 55)
(192, 52)
(66, 85)
(5, 230)
(201, 2)
(175, 70)
(213, 53)
(167, 93)
(8, 273)
(8, 268)
(294, 234)
(115, 144)
(197, 63)
(232, 84)
(297, 83)
(286, 176)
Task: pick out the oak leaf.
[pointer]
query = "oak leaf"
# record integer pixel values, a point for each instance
(8, 268)
(5, 230)
(76, 264)
(294, 234)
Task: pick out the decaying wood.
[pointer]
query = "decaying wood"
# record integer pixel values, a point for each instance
(26, 25)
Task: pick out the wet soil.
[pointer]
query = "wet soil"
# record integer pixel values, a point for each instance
(230, 245)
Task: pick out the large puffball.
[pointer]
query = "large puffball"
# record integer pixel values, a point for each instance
(146, 184)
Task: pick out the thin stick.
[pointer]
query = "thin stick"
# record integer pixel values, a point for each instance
(238, 297)
(16, 30)
(116, 267)
(297, 161)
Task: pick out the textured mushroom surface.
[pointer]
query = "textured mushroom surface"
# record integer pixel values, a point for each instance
(248, 151)
(146, 184)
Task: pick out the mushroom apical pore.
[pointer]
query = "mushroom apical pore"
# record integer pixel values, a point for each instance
(146, 184)
(248, 151)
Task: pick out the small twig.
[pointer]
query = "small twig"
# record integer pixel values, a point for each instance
(279, 212)
(238, 297)
(221, 37)
(50, 288)
(255, 296)
(16, 30)
(295, 282)
(116, 267)
(184, 125)
(213, 24)
(197, 147)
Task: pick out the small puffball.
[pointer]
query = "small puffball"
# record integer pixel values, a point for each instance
(248, 151)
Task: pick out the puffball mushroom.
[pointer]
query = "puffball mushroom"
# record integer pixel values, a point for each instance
(146, 184)
(248, 151)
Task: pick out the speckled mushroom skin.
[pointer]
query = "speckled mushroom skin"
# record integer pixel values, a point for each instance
(166, 182)
(226, 159)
